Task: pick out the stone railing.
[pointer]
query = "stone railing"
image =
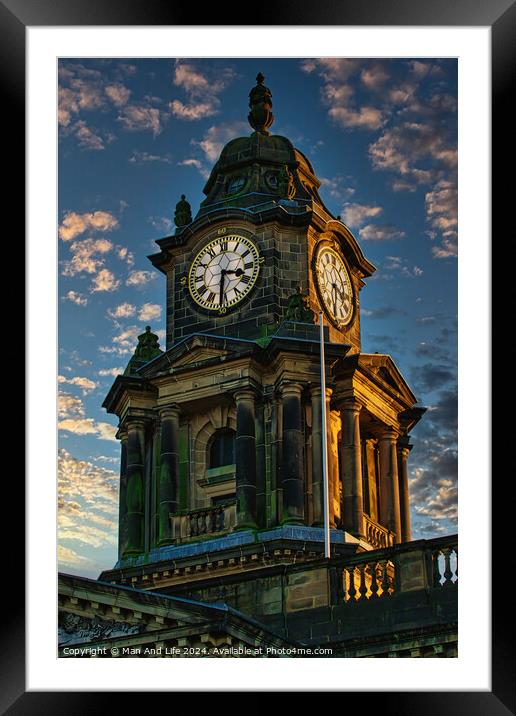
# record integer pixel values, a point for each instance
(377, 536)
(215, 520)
(406, 567)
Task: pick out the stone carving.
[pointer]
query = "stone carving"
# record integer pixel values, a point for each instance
(183, 213)
(147, 349)
(260, 101)
(298, 309)
(73, 628)
(286, 186)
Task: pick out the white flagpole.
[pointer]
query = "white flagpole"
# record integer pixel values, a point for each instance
(324, 441)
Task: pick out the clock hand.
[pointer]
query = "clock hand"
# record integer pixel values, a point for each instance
(222, 279)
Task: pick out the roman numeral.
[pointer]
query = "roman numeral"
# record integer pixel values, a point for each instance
(248, 265)
(224, 245)
(245, 279)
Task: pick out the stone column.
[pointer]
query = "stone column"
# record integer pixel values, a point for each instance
(245, 461)
(403, 449)
(135, 487)
(261, 507)
(389, 491)
(275, 487)
(293, 468)
(351, 462)
(122, 499)
(317, 448)
(169, 472)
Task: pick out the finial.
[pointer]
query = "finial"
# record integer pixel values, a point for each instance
(183, 213)
(147, 349)
(147, 328)
(260, 101)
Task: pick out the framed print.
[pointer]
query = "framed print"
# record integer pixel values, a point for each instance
(204, 266)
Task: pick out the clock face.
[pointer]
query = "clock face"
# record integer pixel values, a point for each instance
(334, 284)
(224, 272)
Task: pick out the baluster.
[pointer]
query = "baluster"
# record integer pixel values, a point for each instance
(363, 585)
(351, 591)
(385, 580)
(375, 586)
(447, 574)
(456, 550)
(436, 568)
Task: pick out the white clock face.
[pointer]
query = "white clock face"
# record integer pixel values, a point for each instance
(224, 272)
(334, 286)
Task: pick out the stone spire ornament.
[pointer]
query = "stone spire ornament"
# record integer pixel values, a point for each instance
(260, 101)
(183, 213)
(147, 349)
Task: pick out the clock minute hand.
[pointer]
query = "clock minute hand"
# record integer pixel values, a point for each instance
(222, 279)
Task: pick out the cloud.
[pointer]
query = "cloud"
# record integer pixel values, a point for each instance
(403, 148)
(69, 558)
(127, 340)
(197, 164)
(111, 371)
(124, 310)
(117, 93)
(400, 265)
(87, 136)
(430, 376)
(88, 426)
(337, 187)
(77, 298)
(192, 111)
(105, 280)
(338, 92)
(85, 384)
(355, 214)
(140, 278)
(161, 223)
(145, 157)
(441, 213)
(87, 256)
(87, 507)
(374, 77)
(138, 118)
(386, 312)
(201, 88)
(74, 224)
(69, 406)
(217, 136)
(376, 232)
(365, 117)
(149, 312)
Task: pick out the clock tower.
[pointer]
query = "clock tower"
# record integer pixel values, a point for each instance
(221, 431)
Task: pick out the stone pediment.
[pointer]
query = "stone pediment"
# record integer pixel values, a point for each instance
(198, 355)
(384, 369)
(196, 350)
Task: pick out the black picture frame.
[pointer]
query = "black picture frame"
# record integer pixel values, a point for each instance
(500, 16)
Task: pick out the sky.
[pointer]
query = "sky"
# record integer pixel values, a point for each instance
(136, 134)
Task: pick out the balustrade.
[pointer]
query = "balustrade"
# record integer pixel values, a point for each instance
(215, 520)
(377, 536)
(387, 572)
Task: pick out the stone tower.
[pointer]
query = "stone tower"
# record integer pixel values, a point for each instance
(220, 433)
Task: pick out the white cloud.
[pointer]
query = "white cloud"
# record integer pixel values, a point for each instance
(376, 232)
(138, 118)
(69, 406)
(140, 278)
(144, 157)
(77, 298)
(356, 214)
(117, 93)
(74, 224)
(105, 280)
(202, 90)
(111, 371)
(365, 117)
(88, 426)
(124, 310)
(85, 384)
(441, 213)
(217, 136)
(149, 312)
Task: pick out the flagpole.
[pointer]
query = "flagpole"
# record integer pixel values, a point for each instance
(326, 496)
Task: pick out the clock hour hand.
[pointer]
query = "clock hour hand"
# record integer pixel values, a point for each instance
(238, 272)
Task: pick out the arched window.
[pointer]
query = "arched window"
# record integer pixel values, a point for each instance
(222, 450)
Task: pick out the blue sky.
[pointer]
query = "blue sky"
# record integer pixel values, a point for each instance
(136, 134)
